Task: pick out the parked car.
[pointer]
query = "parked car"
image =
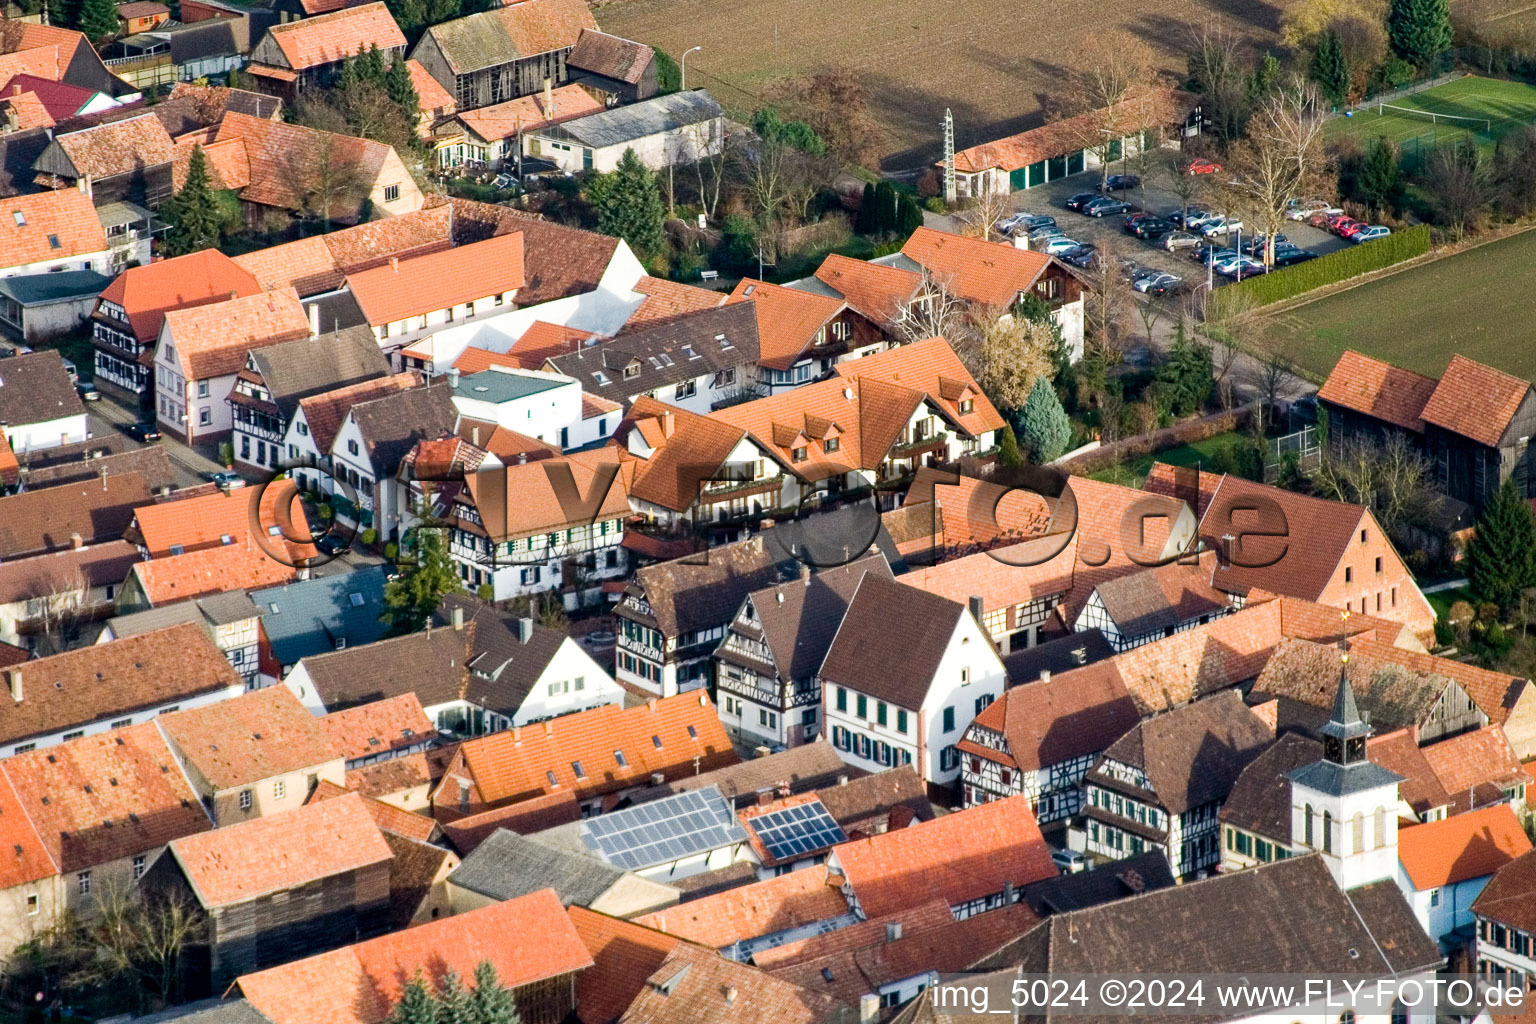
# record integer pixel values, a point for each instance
(1026, 223)
(1370, 234)
(227, 480)
(1220, 226)
(1291, 257)
(1159, 283)
(1068, 862)
(86, 389)
(1048, 231)
(1104, 207)
(1214, 254)
(1189, 218)
(1176, 240)
(142, 431)
(1059, 245)
(1132, 219)
(1239, 266)
(1081, 257)
(1253, 245)
(1336, 222)
(69, 368)
(1081, 199)
(1306, 209)
(1200, 165)
(1119, 183)
(1151, 229)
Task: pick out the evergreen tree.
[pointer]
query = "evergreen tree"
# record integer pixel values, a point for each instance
(1266, 72)
(455, 1003)
(909, 216)
(1501, 558)
(1380, 181)
(370, 65)
(669, 77)
(864, 220)
(1420, 30)
(416, 1005)
(630, 208)
(493, 1003)
(408, 14)
(397, 82)
(885, 208)
(1008, 448)
(1042, 424)
(1330, 68)
(1187, 378)
(98, 19)
(411, 598)
(193, 213)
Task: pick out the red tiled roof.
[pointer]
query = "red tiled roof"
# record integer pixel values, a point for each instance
(10, 469)
(689, 448)
(528, 113)
(788, 319)
(430, 96)
(696, 986)
(1051, 721)
(1461, 847)
(1378, 389)
(118, 147)
(932, 367)
(1475, 400)
(386, 778)
(1155, 108)
(280, 851)
(29, 226)
(145, 293)
(665, 301)
(526, 939)
(60, 100)
(761, 908)
(989, 273)
(524, 817)
(229, 167)
(282, 157)
(624, 955)
(324, 413)
(1399, 752)
(369, 730)
(1475, 767)
(332, 37)
(213, 340)
(959, 857)
(255, 736)
(210, 571)
(31, 860)
(320, 263)
(405, 288)
(522, 500)
(544, 340)
(878, 292)
(473, 360)
(27, 110)
(204, 521)
(387, 817)
(539, 26)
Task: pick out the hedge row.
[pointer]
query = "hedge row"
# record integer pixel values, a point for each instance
(1325, 270)
(1128, 448)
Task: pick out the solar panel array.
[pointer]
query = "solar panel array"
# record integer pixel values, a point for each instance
(796, 831)
(664, 830)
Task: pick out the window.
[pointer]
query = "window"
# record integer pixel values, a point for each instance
(391, 193)
(202, 389)
(967, 405)
(842, 699)
(1362, 536)
(620, 759)
(965, 677)
(797, 454)
(83, 882)
(862, 704)
(687, 389)
(1307, 824)
(576, 767)
(245, 799)
(949, 719)
(204, 416)
(632, 370)
(949, 759)
(279, 789)
(138, 867)
(1349, 574)
(351, 447)
(830, 445)
(581, 684)
(1434, 897)
(122, 723)
(656, 742)
(880, 712)
(901, 721)
(1327, 831)
(31, 904)
(463, 798)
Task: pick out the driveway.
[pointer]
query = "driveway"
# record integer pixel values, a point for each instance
(192, 467)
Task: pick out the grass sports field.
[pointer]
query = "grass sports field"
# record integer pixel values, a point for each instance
(1476, 303)
(1485, 108)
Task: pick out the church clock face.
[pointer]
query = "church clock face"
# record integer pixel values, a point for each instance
(1356, 749)
(1333, 749)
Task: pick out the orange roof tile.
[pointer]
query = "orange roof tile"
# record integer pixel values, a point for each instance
(281, 851)
(959, 857)
(30, 225)
(877, 292)
(624, 955)
(32, 860)
(695, 986)
(1461, 847)
(473, 360)
(761, 908)
(1159, 107)
(1492, 691)
(283, 156)
(118, 147)
(228, 165)
(1378, 389)
(440, 280)
(528, 113)
(246, 513)
(256, 736)
(26, 109)
(387, 817)
(1399, 752)
(665, 301)
(146, 292)
(1050, 721)
(385, 778)
(213, 340)
(526, 939)
(44, 61)
(10, 469)
(522, 500)
(370, 730)
(544, 340)
(789, 320)
(104, 797)
(595, 405)
(320, 263)
(1475, 767)
(689, 449)
(430, 96)
(932, 367)
(337, 36)
(1002, 577)
(964, 514)
(524, 817)
(210, 571)
(988, 273)
(538, 26)
(325, 413)
(1475, 400)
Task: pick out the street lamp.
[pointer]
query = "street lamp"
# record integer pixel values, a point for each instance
(683, 77)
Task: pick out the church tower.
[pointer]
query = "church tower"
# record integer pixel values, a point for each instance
(1344, 806)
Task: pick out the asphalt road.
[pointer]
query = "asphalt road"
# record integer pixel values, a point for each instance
(192, 467)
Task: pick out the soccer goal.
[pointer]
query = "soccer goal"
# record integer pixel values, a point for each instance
(1456, 120)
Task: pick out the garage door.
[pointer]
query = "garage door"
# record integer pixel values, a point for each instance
(1018, 179)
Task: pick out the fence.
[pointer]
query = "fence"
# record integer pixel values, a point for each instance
(1303, 444)
(1370, 99)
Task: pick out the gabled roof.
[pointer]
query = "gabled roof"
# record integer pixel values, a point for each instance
(507, 865)
(931, 366)
(1260, 799)
(1399, 753)
(988, 273)
(1378, 389)
(526, 940)
(1475, 400)
(107, 796)
(280, 852)
(258, 735)
(523, 500)
(504, 668)
(324, 413)
(107, 681)
(666, 300)
(32, 860)
(1510, 896)
(883, 616)
(35, 389)
(1476, 768)
(396, 775)
(510, 33)
(117, 147)
(797, 619)
(876, 291)
(99, 565)
(599, 53)
(1494, 692)
(1305, 675)
(1146, 872)
(878, 802)
(1159, 598)
(283, 157)
(433, 664)
(632, 122)
(1192, 755)
(370, 730)
(526, 817)
(809, 766)
(1461, 847)
(320, 263)
(661, 736)
(391, 424)
(226, 517)
(557, 260)
(1163, 107)
(963, 856)
(299, 369)
(243, 566)
(688, 450)
(60, 100)
(789, 320)
(146, 292)
(328, 38)
(689, 593)
(1051, 721)
(694, 986)
(751, 911)
(528, 113)
(213, 340)
(679, 350)
(311, 616)
(49, 226)
(43, 520)
(624, 955)
(401, 289)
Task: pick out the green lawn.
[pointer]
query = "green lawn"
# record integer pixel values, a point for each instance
(1200, 453)
(1476, 303)
(1506, 106)
(1441, 600)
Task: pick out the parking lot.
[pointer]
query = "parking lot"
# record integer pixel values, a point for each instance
(1107, 232)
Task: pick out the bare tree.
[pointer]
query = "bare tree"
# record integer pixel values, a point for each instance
(1109, 101)
(1281, 159)
(56, 602)
(327, 178)
(983, 212)
(936, 312)
(709, 169)
(1224, 358)
(1218, 70)
(1187, 188)
(1391, 478)
(136, 942)
(1460, 184)
(1007, 354)
(1105, 305)
(1150, 310)
(1274, 373)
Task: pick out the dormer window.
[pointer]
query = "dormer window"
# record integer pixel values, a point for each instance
(632, 370)
(967, 405)
(798, 454)
(831, 444)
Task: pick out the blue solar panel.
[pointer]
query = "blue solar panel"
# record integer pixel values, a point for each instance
(665, 830)
(795, 831)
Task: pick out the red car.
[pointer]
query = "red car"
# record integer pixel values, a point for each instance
(1202, 166)
(1132, 219)
(1335, 220)
(1347, 225)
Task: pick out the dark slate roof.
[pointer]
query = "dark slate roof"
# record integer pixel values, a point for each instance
(295, 370)
(1117, 880)
(662, 353)
(1343, 780)
(430, 664)
(41, 289)
(1193, 754)
(506, 865)
(207, 1011)
(1055, 656)
(867, 804)
(830, 539)
(635, 121)
(214, 37)
(310, 616)
(1154, 599)
(18, 152)
(36, 388)
(1260, 801)
(798, 618)
(502, 669)
(599, 53)
(811, 766)
(152, 462)
(392, 425)
(224, 609)
(1293, 919)
(891, 640)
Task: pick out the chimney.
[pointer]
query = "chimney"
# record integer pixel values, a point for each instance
(474, 436)
(394, 264)
(313, 309)
(458, 620)
(233, 295)
(805, 573)
(730, 993)
(453, 376)
(13, 676)
(869, 1008)
(658, 779)
(1021, 241)
(76, 541)
(517, 734)
(1079, 655)
(549, 728)
(524, 630)
(893, 931)
(977, 609)
(549, 98)
(666, 424)
(1045, 675)
(761, 751)
(842, 780)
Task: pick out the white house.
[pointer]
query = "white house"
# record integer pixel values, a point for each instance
(539, 404)
(675, 129)
(1442, 866)
(39, 407)
(372, 439)
(906, 674)
(50, 231)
